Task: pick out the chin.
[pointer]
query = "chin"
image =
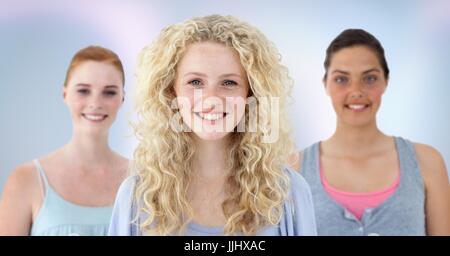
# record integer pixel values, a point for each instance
(359, 123)
(95, 130)
(211, 136)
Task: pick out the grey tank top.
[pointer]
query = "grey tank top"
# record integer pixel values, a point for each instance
(403, 213)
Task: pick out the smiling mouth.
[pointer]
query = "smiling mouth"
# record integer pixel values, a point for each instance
(211, 116)
(95, 117)
(357, 107)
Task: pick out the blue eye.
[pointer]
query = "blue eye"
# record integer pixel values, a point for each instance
(195, 82)
(83, 91)
(341, 79)
(110, 93)
(229, 83)
(370, 79)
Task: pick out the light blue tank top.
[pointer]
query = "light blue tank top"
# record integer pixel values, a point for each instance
(298, 218)
(58, 217)
(403, 213)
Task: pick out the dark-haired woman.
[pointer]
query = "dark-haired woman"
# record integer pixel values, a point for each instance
(363, 181)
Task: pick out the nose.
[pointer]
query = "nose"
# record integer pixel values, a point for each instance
(356, 91)
(356, 94)
(209, 92)
(208, 100)
(95, 102)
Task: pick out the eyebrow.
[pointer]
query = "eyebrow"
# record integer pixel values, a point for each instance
(231, 74)
(371, 70)
(204, 75)
(365, 72)
(194, 73)
(112, 86)
(83, 85)
(340, 71)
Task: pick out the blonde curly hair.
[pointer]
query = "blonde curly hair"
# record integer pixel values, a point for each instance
(257, 186)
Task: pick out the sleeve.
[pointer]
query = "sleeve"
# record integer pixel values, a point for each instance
(303, 208)
(121, 219)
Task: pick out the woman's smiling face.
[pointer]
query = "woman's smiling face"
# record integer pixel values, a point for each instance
(94, 94)
(211, 87)
(355, 82)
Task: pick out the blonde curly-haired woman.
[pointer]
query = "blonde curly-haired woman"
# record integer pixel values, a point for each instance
(213, 137)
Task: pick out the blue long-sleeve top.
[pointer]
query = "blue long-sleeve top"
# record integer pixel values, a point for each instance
(298, 218)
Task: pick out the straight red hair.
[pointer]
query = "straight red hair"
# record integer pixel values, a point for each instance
(94, 53)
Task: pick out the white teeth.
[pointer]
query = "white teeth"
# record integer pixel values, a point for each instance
(210, 116)
(94, 117)
(356, 106)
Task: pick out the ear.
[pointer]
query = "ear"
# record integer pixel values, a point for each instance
(64, 93)
(324, 82)
(387, 82)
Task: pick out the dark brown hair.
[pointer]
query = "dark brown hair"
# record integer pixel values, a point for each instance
(356, 37)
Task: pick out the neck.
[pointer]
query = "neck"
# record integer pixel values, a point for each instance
(210, 159)
(355, 140)
(90, 150)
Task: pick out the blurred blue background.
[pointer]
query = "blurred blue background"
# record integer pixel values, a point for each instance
(38, 39)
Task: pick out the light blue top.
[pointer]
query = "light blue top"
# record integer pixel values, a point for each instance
(58, 217)
(403, 213)
(298, 218)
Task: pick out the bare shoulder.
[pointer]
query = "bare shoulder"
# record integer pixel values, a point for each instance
(124, 161)
(23, 179)
(123, 164)
(294, 161)
(16, 204)
(431, 162)
(20, 189)
(428, 156)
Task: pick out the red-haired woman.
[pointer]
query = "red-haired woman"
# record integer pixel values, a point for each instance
(71, 190)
